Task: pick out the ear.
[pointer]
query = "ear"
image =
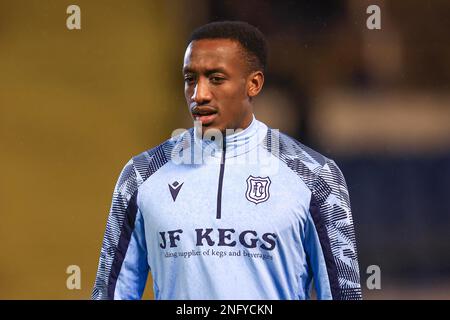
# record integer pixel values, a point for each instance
(255, 83)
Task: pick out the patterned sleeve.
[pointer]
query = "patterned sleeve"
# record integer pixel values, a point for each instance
(122, 245)
(333, 222)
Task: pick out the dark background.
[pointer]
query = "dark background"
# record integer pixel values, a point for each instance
(76, 105)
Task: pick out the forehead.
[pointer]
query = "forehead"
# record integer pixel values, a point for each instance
(213, 53)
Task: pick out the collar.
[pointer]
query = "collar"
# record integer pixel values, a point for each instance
(236, 142)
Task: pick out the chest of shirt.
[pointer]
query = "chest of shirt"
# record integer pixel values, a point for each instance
(200, 199)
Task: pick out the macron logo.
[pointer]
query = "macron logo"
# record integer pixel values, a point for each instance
(174, 188)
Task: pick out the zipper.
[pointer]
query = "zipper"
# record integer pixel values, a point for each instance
(219, 189)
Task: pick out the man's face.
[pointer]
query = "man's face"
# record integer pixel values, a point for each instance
(216, 87)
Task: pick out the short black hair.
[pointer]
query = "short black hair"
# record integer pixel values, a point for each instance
(248, 36)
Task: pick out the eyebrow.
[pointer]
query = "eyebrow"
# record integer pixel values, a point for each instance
(207, 71)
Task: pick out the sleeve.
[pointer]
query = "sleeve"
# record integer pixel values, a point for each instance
(123, 265)
(330, 237)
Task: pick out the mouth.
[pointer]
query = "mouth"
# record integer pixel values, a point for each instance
(205, 115)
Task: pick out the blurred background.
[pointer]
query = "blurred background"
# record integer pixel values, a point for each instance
(75, 105)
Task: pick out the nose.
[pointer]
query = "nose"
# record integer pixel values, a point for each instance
(201, 94)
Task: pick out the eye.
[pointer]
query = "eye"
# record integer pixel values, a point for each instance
(189, 79)
(217, 80)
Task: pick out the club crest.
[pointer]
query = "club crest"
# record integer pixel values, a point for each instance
(257, 189)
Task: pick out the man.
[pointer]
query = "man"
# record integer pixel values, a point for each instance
(222, 213)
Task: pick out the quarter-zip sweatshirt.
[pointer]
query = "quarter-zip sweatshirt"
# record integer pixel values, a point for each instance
(253, 215)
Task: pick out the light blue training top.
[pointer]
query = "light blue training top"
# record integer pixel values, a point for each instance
(256, 215)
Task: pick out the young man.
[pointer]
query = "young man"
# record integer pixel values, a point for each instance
(220, 213)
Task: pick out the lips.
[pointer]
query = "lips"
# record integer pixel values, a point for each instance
(205, 114)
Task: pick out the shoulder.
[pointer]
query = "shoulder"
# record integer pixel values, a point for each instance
(293, 152)
(291, 146)
(307, 163)
(148, 162)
